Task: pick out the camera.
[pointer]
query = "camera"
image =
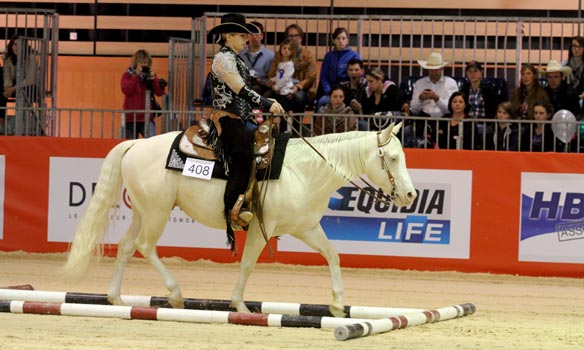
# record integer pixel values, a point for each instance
(162, 83)
(145, 75)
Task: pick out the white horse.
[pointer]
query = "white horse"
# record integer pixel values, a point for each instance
(293, 205)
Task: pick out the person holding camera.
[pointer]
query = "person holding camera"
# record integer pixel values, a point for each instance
(136, 81)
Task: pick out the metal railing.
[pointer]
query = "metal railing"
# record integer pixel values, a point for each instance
(417, 132)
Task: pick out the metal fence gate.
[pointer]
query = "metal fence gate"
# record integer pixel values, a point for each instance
(36, 69)
(186, 77)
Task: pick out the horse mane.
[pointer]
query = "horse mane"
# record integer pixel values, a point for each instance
(331, 138)
(338, 149)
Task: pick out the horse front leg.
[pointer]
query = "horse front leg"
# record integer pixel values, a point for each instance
(254, 243)
(316, 239)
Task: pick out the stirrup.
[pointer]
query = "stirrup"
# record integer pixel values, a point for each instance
(246, 215)
(240, 216)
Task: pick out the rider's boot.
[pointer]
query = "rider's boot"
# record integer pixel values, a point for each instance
(240, 215)
(238, 148)
(234, 199)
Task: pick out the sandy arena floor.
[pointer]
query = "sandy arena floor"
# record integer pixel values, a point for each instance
(512, 312)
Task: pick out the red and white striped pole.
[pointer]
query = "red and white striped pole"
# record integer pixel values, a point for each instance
(177, 315)
(365, 312)
(363, 329)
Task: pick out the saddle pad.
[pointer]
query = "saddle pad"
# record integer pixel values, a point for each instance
(176, 159)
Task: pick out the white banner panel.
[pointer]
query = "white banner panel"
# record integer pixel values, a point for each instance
(436, 225)
(2, 186)
(552, 218)
(71, 184)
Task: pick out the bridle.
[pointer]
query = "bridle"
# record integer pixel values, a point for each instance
(384, 167)
(381, 154)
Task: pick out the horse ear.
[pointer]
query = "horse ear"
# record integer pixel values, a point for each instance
(386, 133)
(397, 128)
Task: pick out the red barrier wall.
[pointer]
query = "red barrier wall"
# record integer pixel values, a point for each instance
(495, 212)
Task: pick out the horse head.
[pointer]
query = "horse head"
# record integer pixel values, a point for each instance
(386, 166)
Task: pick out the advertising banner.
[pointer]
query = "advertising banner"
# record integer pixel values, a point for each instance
(552, 218)
(71, 184)
(436, 225)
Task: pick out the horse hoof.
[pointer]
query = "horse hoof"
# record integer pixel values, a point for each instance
(240, 307)
(337, 312)
(115, 300)
(176, 303)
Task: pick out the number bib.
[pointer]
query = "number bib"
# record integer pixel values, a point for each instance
(199, 168)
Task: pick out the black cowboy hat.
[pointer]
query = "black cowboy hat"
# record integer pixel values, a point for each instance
(234, 23)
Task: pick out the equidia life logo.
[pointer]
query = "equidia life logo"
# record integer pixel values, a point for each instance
(356, 216)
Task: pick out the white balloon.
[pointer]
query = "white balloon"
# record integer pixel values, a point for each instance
(564, 126)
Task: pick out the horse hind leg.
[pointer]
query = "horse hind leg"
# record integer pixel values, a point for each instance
(175, 298)
(126, 249)
(150, 232)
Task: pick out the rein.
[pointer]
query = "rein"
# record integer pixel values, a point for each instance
(384, 166)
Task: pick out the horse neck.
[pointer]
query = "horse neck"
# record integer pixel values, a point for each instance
(343, 155)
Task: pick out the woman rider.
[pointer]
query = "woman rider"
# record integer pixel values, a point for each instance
(233, 102)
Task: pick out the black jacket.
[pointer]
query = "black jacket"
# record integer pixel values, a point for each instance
(564, 98)
(507, 138)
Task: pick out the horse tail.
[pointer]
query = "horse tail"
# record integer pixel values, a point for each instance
(88, 240)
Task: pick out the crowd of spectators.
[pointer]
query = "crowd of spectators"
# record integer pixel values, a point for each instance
(470, 112)
(497, 118)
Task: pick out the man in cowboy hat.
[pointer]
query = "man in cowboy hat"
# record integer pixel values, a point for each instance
(430, 98)
(431, 93)
(233, 102)
(561, 94)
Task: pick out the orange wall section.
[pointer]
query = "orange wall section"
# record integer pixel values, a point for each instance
(94, 82)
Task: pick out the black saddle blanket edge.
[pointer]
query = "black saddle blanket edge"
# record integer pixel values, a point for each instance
(176, 159)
